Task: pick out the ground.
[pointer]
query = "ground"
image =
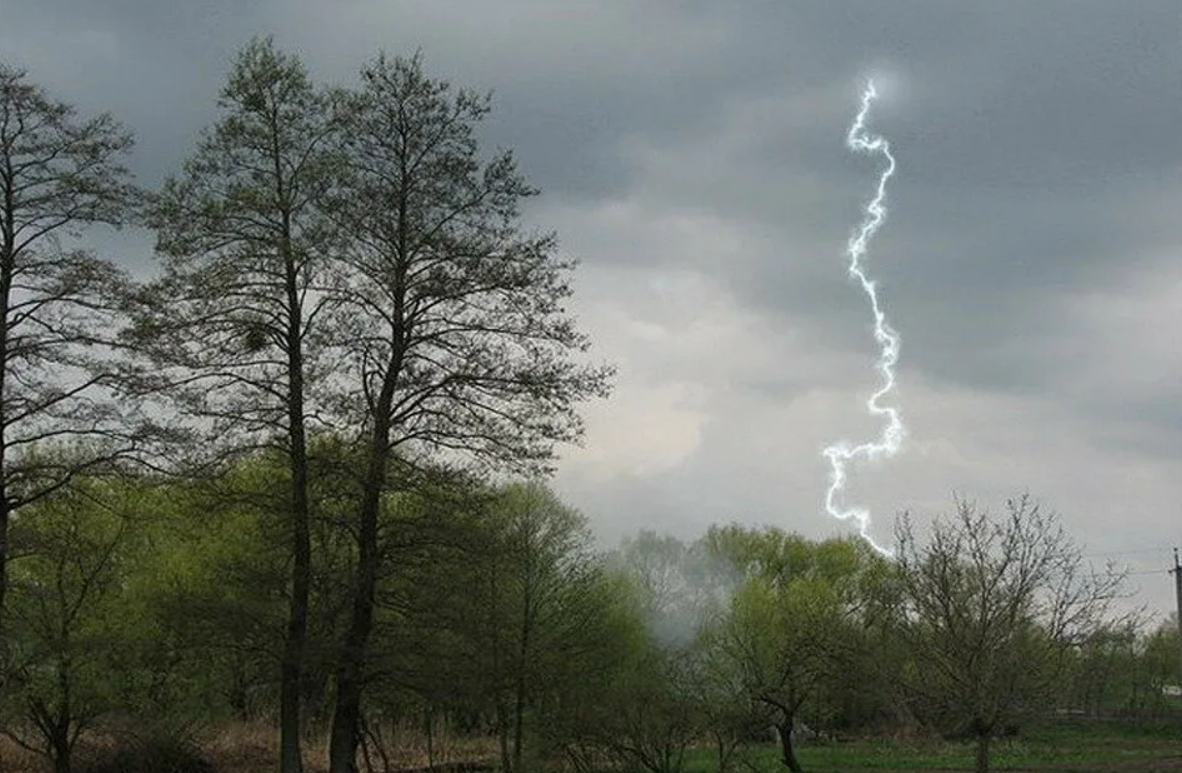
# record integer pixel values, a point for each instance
(1075, 747)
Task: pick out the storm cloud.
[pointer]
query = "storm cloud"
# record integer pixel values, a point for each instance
(690, 155)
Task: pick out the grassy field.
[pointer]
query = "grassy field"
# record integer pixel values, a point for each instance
(1066, 748)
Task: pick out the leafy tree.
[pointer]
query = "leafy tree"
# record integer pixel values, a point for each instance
(539, 587)
(637, 709)
(212, 592)
(1160, 667)
(1102, 670)
(423, 663)
(490, 610)
(1121, 669)
(791, 623)
(451, 326)
(232, 324)
(59, 174)
(991, 607)
(67, 640)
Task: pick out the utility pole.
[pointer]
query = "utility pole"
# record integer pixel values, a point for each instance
(1177, 572)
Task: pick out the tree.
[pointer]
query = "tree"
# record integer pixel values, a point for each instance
(682, 585)
(1159, 663)
(212, 593)
(793, 622)
(453, 334)
(68, 587)
(991, 607)
(684, 590)
(231, 326)
(539, 585)
(59, 174)
(1123, 668)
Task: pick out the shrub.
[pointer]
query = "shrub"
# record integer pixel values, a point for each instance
(159, 753)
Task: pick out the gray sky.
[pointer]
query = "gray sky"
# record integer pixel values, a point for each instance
(691, 156)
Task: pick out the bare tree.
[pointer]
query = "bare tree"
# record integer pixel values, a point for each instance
(991, 607)
(231, 323)
(59, 304)
(451, 321)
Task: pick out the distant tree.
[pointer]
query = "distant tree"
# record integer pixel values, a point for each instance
(231, 326)
(59, 304)
(453, 337)
(684, 590)
(1123, 669)
(991, 608)
(682, 585)
(1102, 672)
(1159, 664)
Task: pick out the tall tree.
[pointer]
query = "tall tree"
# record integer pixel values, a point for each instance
(243, 236)
(455, 336)
(59, 174)
(992, 606)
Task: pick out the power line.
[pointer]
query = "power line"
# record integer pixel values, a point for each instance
(1140, 552)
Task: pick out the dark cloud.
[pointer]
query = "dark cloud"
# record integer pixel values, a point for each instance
(691, 155)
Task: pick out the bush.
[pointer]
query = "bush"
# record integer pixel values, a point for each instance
(156, 754)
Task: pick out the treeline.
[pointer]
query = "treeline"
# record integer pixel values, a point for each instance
(151, 601)
(270, 483)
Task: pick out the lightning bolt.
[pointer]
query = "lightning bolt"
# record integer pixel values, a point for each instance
(841, 453)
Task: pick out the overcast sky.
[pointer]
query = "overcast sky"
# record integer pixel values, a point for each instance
(691, 156)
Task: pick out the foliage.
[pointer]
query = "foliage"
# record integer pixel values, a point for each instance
(793, 623)
(67, 632)
(1122, 670)
(991, 610)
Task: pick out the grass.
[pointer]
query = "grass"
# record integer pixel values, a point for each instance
(1099, 747)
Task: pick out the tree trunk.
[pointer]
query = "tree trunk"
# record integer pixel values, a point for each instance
(59, 727)
(520, 686)
(787, 752)
(290, 760)
(4, 520)
(291, 672)
(61, 751)
(346, 720)
(518, 725)
(59, 730)
(291, 682)
(503, 736)
(982, 757)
